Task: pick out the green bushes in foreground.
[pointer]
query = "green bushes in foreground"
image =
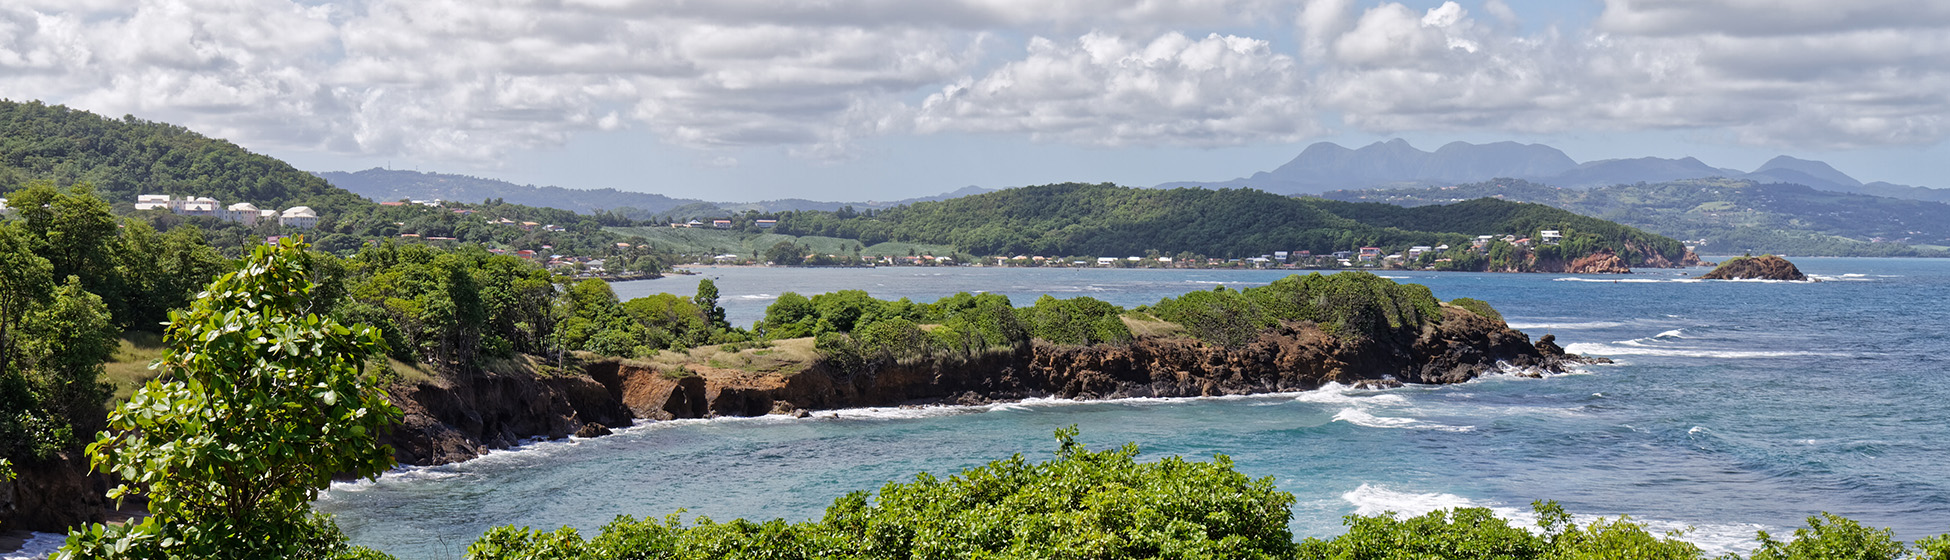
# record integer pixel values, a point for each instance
(1108, 505)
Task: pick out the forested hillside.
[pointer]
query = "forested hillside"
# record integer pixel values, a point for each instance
(125, 157)
(1105, 219)
(1731, 216)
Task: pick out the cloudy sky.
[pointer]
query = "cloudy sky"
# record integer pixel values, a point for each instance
(885, 99)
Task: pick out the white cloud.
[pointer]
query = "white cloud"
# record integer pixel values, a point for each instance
(478, 79)
(1107, 90)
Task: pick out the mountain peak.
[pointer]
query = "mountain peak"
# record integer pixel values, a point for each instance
(1816, 169)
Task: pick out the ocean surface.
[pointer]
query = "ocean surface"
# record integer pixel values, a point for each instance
(1734, 407)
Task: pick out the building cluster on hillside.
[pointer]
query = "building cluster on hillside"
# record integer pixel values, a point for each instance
(724, 223)
(301, 217)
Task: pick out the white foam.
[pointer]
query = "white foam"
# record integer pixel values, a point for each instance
(1360, 417)
(1373, 500)
(758, 297)
(40, 545)
(1675, 333)
(1630, 348)
(1714, 539)
(1336, 393)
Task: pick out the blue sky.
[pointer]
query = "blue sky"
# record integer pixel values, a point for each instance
(736, 100)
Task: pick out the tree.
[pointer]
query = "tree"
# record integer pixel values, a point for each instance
(67, 341)
(707, 300)
(260, 401)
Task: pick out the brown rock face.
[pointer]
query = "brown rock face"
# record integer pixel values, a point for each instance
(54, 495)
(1766, 267)
(1602, 262)
(465, 415)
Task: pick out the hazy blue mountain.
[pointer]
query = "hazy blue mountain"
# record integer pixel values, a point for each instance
(1626, 171)
(388, 185)
(1326, 166)
(1804, 172)
(385, 185)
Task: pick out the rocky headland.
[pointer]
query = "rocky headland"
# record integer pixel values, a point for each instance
(1764, 267)
(458, 419)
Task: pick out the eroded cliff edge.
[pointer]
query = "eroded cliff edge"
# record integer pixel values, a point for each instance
(460, 418)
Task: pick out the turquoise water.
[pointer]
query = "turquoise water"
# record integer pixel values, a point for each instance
(1735, 406)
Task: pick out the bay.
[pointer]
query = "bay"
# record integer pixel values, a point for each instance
(1735, 406)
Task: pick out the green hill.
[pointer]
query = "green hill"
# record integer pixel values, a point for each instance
(1730, 216)
(126, 157)
(1109, 220)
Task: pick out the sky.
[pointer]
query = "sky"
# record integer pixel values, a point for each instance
(743, 100)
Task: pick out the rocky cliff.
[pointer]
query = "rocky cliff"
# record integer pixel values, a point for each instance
(1294, 357)
(1765, 267)
(1601, 262)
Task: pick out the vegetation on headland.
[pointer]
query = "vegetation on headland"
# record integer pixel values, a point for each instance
(1108, 220)
(1729, 216)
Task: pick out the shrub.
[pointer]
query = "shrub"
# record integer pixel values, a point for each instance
(1082, 504)
(1076, 321)
(1478, 307)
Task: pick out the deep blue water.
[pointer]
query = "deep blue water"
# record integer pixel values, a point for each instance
(1735, 406)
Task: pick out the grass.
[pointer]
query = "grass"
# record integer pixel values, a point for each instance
(129, 368)
(783, 357)
(1143, 325)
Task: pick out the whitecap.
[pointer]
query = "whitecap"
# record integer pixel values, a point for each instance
(1714, 539)
(1675, 333)
(1336, 393)
(1362, 418)
(38, 546)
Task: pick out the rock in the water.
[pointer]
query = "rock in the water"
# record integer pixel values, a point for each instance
(1764, 267)
(592, 429)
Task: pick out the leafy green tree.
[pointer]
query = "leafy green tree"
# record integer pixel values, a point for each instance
(790, 316)
(1832, 537)
(707, 300)
(74, 230)
(260, 402)
(67, 341)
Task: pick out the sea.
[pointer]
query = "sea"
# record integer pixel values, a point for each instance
(1733, 407)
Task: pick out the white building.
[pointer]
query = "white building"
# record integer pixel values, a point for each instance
(4, 209)
(157, 202)
(301, 217)
(1551, 236)
(242, 212)
(200, 206)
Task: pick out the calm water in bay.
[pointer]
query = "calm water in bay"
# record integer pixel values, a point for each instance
(1735, 406)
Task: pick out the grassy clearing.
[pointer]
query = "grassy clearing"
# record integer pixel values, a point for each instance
(1143, 325)
(130, 367)
(783, 357)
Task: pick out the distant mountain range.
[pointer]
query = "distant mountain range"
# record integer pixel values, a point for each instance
(1327, 166)
(388, 185)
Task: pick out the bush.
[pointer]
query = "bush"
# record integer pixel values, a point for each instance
(1355, 305)
(1083, 504)
(1076, 321)
(1478, 307)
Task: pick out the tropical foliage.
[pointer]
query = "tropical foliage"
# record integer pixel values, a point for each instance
(1109, 505)
(261, 402)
